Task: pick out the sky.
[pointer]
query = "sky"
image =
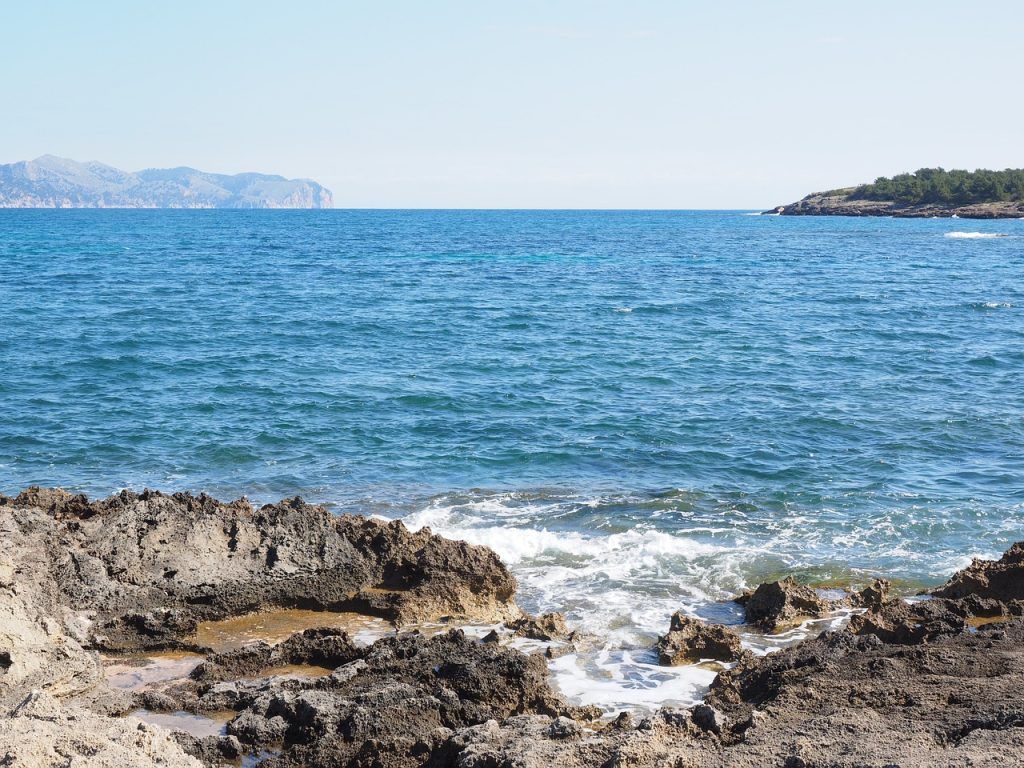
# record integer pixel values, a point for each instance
(523, 104)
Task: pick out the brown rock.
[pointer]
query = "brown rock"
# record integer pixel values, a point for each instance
(690, 640)
(872, 596)
(1001, 579)
(149, 565)
(783, 602)
(546, 627)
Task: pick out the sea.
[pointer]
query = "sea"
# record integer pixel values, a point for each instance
(640, 411)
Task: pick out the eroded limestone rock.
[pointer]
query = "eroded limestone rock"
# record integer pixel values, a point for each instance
(690, 640)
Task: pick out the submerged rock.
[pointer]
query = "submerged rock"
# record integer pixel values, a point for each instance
(690, 640)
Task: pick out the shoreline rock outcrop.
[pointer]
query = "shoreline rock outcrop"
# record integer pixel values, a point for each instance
(839, 203)
(141, 570)
(777, 604)
(931, 682)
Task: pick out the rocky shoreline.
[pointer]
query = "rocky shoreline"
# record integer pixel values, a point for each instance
(841, 204)
(933, 681)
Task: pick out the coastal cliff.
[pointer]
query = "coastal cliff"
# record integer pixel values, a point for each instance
(55, 182)
(930, 682)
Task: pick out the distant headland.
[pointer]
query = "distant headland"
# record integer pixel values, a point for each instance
(925, 193)
(56, 182)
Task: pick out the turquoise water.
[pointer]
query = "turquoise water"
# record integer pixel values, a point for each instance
(639, 410)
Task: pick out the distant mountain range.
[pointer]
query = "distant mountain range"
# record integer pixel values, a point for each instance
(56, 182)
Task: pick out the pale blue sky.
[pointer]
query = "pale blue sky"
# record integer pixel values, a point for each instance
(521, 104)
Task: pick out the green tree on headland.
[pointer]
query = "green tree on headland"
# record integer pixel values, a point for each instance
(937, 185)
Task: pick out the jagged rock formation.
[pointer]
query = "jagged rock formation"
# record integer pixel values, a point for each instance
(56, 182)
(776, 604)
(689, 640)
(930, 683)
(1002, 579)
(144, 569)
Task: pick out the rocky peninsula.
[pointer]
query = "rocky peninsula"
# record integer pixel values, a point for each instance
(926, 193)
(90, 586)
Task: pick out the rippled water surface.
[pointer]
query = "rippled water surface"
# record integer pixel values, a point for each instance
(641, 411)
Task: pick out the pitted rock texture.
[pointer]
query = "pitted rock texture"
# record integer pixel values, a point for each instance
(398, 704)
(689, 640)
(932, 683)
(1001, 579)
(546, 627)
(149, 566)
(778, 603)
(42, 732)
(321, 647)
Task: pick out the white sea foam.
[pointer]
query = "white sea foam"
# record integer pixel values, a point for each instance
(624, 310)
(974, 235)
(515, 545)
(620, 586)
(622, 679)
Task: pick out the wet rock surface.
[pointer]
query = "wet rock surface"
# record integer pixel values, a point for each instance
(777, 604)
(783, 602)
(934, 682)
(690, 640)
(547, 626)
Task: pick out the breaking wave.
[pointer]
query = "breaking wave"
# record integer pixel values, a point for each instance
(974, 235)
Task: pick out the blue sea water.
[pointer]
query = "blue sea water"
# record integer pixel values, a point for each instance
(639, 410)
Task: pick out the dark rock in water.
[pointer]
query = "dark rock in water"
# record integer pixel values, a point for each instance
(1001, 579)
(323, 647)
(159, 629)
(256, 730)
(783, 602)
(689, 640)
(872, 596)
(211, 750)
(546, 627)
